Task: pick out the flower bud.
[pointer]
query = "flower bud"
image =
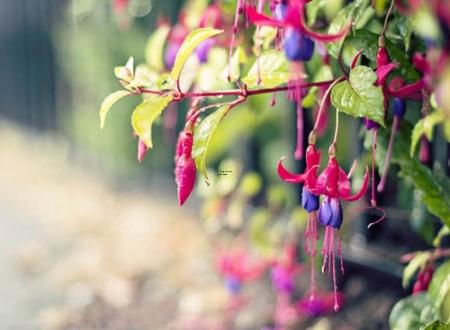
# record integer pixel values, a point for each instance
(330, 213)
(203, 48)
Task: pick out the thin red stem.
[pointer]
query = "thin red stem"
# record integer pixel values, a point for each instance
(237, 92)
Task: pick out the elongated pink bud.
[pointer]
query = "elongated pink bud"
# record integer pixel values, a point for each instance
(185, 170)
(142, 151)
(185, 175)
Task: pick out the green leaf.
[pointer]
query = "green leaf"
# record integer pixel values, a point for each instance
(108, 103)
(189, 45)
(354, 12)
(202, 137)
(425, 126)
(444, 231)
(437, 325)
(239, 57)
(154, 49)
(439, 288)
(358, 97)
(312, 9)
(145, 114)
(419, 260)
(433, 187)
(125, 73)
(273, 70)
(413, 312)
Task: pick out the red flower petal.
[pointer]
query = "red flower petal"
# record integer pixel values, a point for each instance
(362, 191)
(383, 72)
(410, 91)
(287, 176)
(260, 19)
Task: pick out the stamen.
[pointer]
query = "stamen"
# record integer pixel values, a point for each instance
(311, 249)
(239, 11)
(299, 150)
(387, 160)
(373, 199)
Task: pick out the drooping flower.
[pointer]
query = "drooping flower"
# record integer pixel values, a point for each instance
(321, 305)
(237, 267)
(310, 201)
(423, 279)
(334, 184)
(285, 270)
(299, 44)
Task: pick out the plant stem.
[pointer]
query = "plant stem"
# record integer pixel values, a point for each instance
(237, 92)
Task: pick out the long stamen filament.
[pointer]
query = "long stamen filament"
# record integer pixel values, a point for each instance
(388, 157)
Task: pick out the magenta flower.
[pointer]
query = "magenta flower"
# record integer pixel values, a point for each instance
(285, 270)
(237, 267)
(334, 184)
(185, 170)
(322, 304)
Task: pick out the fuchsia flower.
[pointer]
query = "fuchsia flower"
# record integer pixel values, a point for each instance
(238, 267)
(334, 184)
(298, 47)
(321, 305)
(423, 280)
(285, 270)
(185, 168)
(141, 151)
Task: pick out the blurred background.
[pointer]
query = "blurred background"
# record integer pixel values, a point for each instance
(91, 239)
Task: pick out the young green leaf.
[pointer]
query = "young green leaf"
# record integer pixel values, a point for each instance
(412, 312)
(425, 126)
(189, 45)
(270, 70)
(354, 12)
(202, 137)
(108, 103)
(439, 289)
(358, 97)
(154, 49)
(419, 260)
(145, 114)
(437, 325)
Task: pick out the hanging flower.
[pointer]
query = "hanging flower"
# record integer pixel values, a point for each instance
(334, 184)
(238, 267)
(285, 270)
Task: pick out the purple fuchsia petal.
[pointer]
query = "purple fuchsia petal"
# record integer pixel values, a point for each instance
(330, 213)
(283, 279)
(297, 46)
(203, 48)
(399, 107)
(233, 284)
(370, 124)
(310, 201)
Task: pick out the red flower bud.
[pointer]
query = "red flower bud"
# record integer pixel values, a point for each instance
(185, 170)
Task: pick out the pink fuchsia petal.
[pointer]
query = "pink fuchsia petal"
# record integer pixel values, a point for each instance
(261, 19)
(327, 182)
(287, 176)
(382, 57)
(383, 72)
(411, 91)
(142, 151)
(317, 36)
(362, 191)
